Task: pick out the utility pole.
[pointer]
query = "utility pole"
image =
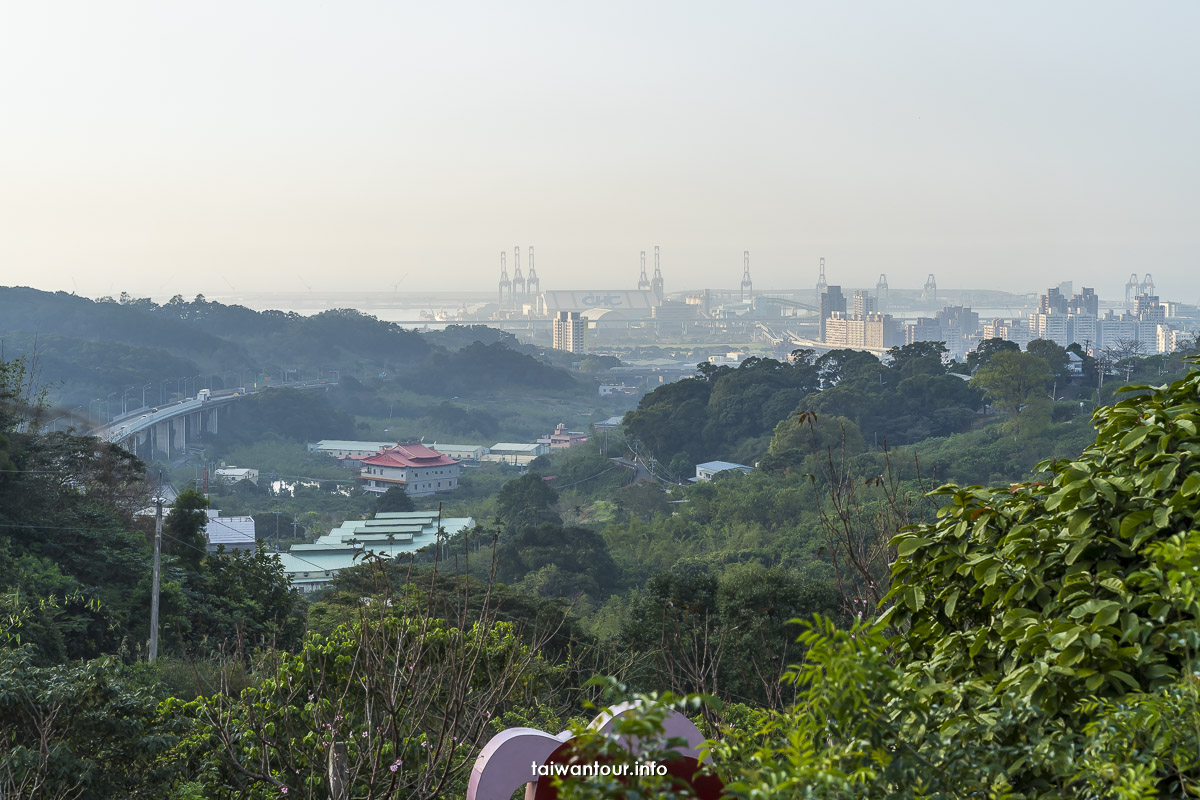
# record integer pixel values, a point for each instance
(339, 782)
(158, 528)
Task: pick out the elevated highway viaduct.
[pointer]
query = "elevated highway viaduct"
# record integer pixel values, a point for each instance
(165, 432)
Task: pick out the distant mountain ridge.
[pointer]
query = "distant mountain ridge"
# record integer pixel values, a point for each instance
(96, 347)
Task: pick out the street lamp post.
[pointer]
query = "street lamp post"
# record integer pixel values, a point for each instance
(107, 414)
(125, 399)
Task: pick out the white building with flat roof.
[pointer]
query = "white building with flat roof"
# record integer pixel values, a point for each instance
(339, 448)
(465, 453)
(516, 453)
(235, 474)
(232, 533)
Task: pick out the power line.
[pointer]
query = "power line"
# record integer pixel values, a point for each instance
(597, 475)
(158, 534)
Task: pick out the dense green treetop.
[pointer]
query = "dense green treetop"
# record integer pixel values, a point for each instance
(573, 561)
(1040, 640)
(394, 499)
(293, 414)
(1012, 381)
(986, 349)
(479, 366)
(1076, 573)
(527, 500)
(1055, 356)
(183, 529)
(730, 413)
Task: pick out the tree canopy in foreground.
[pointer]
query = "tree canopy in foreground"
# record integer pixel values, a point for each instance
(1041, 642)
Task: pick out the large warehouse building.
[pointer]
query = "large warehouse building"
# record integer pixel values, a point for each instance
(628, 304)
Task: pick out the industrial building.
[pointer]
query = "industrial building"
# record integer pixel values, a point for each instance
(341, 447)
(228, 533)
(463, 453)
(708, 470)
(388, 535)
(518, 454)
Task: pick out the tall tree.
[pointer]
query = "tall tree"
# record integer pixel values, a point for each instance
(984, 351)
(926, 353)
(1012, 381)
(527, 500)
(578, 557)
(1055, 356)
(394, 499)
(183, 530)
(1088, 363)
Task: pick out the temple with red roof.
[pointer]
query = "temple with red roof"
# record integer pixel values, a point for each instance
(414, 467)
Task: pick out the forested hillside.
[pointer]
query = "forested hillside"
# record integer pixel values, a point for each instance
(89, 349)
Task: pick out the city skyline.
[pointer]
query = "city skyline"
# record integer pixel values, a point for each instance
(162, 150)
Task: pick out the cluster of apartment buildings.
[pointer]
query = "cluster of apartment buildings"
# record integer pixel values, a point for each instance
(1150, 327)
(1062, 316)
(859, 325)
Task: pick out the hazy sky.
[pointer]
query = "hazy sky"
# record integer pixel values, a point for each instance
(193, 147)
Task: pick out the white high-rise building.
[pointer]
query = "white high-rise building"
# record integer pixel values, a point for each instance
(1083, 330)
(1050, 326)
(568, 331)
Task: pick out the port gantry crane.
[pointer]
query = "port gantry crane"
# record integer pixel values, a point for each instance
(747, 285)
(505, 283)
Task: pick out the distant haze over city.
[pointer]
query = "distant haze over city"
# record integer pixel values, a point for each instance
(226, 148)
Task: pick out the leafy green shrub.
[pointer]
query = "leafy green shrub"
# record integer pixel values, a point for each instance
(1042, 640)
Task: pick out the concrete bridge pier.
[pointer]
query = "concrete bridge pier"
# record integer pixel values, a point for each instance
(179, 432)
(160, 440)
(143, 444)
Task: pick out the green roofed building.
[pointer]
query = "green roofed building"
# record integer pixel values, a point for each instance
(389, 534)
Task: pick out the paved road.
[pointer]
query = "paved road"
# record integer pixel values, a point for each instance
(640, 473)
